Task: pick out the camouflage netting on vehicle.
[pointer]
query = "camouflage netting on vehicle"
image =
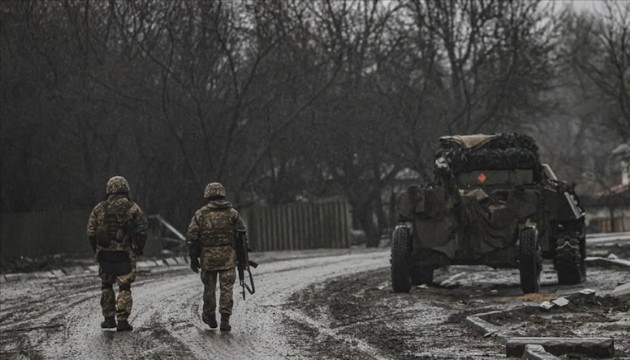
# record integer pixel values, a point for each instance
(498, 152)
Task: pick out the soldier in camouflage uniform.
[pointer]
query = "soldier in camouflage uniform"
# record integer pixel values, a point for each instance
(211, 238)
(117, 226)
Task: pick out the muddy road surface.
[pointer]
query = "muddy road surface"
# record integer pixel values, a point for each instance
(59, 318)
(359, 317)
(325, 307)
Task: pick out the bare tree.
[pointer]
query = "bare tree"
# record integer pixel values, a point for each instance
(280, 100)
(494, 57)
(601, 51)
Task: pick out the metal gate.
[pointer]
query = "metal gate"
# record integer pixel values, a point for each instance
(308, 225)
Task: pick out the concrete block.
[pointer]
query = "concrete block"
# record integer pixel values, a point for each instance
(182, 260)
(547, 305)
(561, 301)
(93, 268)
(537, 352)
(146, 264)
(43, 275)
(583, 295)
(483, 327)
(31, 276)
(58, 273)
(170, 262)
(16, 277)
(607, 263)
(621, 290)
(592, 347)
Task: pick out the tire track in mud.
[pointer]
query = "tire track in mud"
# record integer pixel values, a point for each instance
(258, 329)
(324, 330)
(30, 311)
(180, 317)
(83, 336)
(258, 322)
(64, 314)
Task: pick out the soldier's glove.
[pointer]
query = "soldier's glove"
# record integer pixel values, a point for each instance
(194, 264)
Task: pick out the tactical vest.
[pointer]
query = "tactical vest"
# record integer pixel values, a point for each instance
(115, 223)
(221, 231)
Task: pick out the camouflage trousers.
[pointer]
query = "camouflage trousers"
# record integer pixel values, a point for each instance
(117, 306)
(226, 283)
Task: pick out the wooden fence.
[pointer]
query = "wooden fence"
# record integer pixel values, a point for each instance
(39, 234)
(309, 225)
(319, 224)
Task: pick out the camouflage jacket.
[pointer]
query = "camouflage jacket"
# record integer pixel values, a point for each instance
(136, 223)
(211, 235)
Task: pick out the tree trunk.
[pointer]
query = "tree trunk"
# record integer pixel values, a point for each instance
(613, 223)
(366, 222)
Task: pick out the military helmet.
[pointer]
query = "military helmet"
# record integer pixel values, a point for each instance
(214, 190)
(117, 184)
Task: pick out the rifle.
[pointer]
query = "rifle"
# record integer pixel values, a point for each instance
(242, 261)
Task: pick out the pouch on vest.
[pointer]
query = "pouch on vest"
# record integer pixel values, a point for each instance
(108, 231)
(114, 262)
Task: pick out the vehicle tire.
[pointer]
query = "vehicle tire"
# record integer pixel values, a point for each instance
(401, 259)
(530, 263)
(569, 262)
(421, 274)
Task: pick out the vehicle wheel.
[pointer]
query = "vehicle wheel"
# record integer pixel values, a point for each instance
(529, 260)
(401, 259)
(421, 275)
(569, 262)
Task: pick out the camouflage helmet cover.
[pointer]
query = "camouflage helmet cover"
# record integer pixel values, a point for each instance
(214, 189)
(117, 184)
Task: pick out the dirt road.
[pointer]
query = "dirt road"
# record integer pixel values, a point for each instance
(59, 318)
(327, 307)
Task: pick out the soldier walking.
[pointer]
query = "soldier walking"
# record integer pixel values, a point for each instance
(117, 233)
(211, 237)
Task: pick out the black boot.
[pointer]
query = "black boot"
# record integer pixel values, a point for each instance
(109, 323)
(210, 319)
(124, 325)
(225, 322)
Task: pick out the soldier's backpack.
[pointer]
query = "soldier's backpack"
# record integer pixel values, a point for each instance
(115, 224)
(114, 228)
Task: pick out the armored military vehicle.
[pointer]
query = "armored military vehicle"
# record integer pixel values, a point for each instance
(493, 203)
